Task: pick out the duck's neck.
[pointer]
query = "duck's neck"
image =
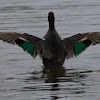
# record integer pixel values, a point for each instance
(51, 26)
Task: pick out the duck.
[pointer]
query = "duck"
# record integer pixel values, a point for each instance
(52, 48)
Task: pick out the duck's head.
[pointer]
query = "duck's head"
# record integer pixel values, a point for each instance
(51, 20)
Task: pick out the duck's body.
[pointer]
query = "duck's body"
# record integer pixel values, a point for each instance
(52, 48)
(54, 44)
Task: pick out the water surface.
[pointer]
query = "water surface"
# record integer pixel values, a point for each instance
(23, 78)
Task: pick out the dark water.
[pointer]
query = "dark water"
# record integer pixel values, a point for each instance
(22, 78)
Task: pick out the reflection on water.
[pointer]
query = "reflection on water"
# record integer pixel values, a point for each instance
(52, 74)
(57, 79)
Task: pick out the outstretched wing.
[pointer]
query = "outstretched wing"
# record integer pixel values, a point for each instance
(93, 36)
(29, 43)
(78, 43)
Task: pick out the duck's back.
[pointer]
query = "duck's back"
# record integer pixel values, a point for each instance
(55, 46)
(52, 36)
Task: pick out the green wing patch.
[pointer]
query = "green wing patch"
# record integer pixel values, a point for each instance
(25, 45)
(28, 47)
(81, 46)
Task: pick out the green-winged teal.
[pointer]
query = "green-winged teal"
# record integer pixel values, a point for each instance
(52, 48)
